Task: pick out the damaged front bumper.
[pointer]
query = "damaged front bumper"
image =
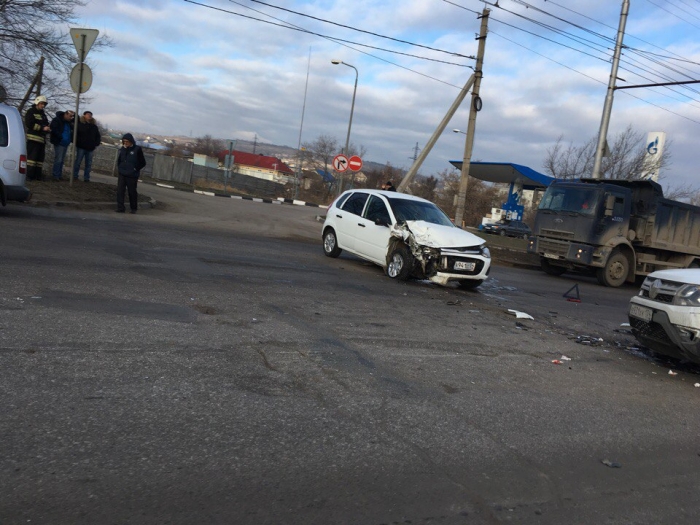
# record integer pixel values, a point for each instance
(673, 330)
(442, 264)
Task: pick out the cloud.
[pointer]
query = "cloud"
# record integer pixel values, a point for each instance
(177, 68)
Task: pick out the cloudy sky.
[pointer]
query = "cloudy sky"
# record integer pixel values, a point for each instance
(235, 69)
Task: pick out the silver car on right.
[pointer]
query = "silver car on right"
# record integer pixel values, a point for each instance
(665, 315)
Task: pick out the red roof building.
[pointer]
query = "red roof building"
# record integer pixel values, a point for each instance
(261, 166)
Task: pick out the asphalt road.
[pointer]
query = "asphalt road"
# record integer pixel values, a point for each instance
(205, 363)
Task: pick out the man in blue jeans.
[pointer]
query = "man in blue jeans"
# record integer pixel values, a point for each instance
(61, 137)
(88, 139)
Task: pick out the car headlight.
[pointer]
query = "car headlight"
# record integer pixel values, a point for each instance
(688, 295)
(486, 252)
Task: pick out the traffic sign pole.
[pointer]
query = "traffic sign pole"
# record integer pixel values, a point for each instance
(83, 40)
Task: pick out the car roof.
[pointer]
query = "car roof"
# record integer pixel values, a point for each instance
(390, 194)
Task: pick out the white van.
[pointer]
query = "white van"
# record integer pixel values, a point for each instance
(13, 156)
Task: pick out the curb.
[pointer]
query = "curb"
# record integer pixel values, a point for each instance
(279, 200)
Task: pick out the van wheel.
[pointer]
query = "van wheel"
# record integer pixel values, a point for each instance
(400, 263)
(615, 272)
(330, 243)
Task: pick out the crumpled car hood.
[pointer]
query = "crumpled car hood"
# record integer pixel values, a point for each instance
(438, 236)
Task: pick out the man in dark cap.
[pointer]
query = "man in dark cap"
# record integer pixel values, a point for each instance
(130, 162)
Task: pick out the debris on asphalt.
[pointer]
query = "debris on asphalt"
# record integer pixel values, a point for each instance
(611, 464)
(672, 373)
(454, 303)
(589, 340)
(697, 385)
(520, 326)
(557, 362)
(564, 358)
(520, 315)
(624, 325)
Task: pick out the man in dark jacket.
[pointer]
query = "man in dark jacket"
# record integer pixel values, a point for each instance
(130, 162)
(88, 139)
(37, 125)
(61, 137)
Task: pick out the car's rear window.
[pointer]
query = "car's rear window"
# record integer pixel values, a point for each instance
(4, 132)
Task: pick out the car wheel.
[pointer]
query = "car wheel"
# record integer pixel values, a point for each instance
(503, 233)
(469, 284)
(615, 272)
(551, 269)
(330, 243)
(400, 263)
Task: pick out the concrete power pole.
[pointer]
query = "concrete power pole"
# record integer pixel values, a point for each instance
(473, 109)
(605, 120)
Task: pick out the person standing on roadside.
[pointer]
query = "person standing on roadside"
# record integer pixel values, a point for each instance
(37, 124)
(61, 137)
(130, 162)
(88, 139)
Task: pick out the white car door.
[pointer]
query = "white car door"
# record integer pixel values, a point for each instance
(347, 218)
(374, 231)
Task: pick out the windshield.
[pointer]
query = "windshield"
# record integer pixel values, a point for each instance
(569, 199)
(410, 210)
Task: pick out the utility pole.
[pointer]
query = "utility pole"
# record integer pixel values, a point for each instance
(607, 108)
(473, 109)
(36, 83)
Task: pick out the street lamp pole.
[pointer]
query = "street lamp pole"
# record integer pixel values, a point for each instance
(352, 110)
(352, 107)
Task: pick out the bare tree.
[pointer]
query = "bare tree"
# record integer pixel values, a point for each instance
(321, 151)
(32, 29)
(207, 145)
(627, 159)
(425, 187)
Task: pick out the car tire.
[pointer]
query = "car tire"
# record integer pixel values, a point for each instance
(503, 233)
(330, 243)
(469, 284)
(400, 263)
(616, 269)
(551, 269)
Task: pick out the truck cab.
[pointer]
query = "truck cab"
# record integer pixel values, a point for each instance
(581, 225)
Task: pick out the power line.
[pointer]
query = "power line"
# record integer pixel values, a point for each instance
(360, 30)
(338, 41)
(287, 25)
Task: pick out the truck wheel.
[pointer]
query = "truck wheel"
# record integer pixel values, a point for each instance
(615, 272)
(400, 263)
(550, 269)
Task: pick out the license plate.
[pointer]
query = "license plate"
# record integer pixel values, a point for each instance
(550, 256)
(465, 266)
(641, 312)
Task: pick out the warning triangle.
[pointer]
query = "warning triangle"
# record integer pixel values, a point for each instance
(569, 295)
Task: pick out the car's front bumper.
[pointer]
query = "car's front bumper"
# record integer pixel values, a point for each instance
(671, 330)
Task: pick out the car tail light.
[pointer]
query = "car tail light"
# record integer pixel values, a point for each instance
(23, 164)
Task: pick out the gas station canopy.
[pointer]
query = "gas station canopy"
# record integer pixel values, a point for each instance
(506, 173)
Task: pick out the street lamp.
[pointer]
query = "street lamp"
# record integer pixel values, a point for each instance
(352, 107)
(459, 131)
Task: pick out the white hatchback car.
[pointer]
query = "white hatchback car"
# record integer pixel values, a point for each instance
(665, 315)
(406, 235)
(13, 156)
